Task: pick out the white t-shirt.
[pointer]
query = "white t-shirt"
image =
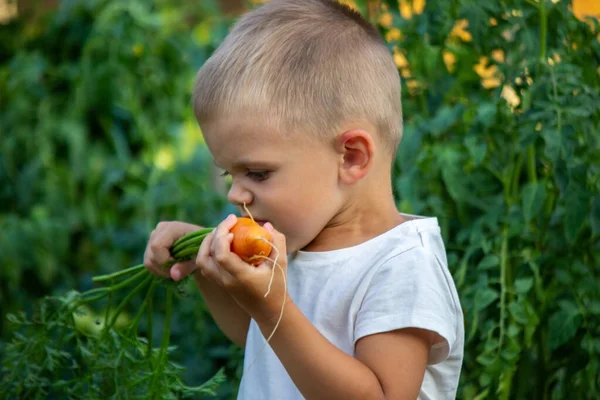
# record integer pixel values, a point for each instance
(396, 280)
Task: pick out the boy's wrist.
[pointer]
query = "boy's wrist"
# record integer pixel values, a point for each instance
(268, 316)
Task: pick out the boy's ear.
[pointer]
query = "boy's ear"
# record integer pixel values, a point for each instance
(357, 149)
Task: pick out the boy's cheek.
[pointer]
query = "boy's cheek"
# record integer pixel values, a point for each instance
(292, 244)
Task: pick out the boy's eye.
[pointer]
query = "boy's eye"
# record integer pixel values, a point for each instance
(224, 173)
(257, 175)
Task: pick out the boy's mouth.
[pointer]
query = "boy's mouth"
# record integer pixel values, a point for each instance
(261, 222)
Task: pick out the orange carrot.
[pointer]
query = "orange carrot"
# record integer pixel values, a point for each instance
(250, 241)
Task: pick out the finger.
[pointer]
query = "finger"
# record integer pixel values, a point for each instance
(220, 246)
(204, 251)
(154, 258)
(211, 270)
(181, 270)
(230, 263)
(157, 252)
(224, 227)
(175, 229)
(221, 250)
(206, 264)
(278, 243)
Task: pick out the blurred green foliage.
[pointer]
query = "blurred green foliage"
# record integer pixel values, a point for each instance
(502, 118)
(508, 156)
(98, 144)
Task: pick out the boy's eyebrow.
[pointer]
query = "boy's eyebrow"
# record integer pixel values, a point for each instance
(244, 164)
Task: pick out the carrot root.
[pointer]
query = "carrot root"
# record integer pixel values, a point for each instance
(275, 264)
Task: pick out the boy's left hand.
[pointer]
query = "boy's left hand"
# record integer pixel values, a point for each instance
(246, 283)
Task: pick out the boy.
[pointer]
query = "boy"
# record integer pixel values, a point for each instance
(301, 106)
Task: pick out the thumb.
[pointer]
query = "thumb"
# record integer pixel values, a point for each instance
(182, 269)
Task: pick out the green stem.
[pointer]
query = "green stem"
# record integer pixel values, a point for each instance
(531, 171)
(190, 236)
(503, 285)
(557, 108)
(164, 343)
(133, 325)
(107, 311)
(193, 245)
(187, 254)
(118, 286)
(543, 31)
(513, 189)
(125, 301)
(117, 274)
(101, 293)
(149, 349)
(70, 307)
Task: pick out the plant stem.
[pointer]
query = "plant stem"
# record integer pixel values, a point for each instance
(99, 294)
(503, 285)
(514, 185)
(107, 311)
(531, 171)
(187, 253)
(149, 350)
(133, 327)
(164, 343)
(117, 274)
(543, 31)
(190, 237)
(118, 286)
(123, 303)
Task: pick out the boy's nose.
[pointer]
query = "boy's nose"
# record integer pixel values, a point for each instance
(238, 196)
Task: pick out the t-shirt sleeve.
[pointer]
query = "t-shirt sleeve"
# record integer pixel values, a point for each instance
(411, 290)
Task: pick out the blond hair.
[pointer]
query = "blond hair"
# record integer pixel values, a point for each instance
(305, 66)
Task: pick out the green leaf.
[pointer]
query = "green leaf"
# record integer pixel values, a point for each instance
(576, 212)
(489, 261)
(409, 148)
(392, 4)
(362, 6)
(563, 326)
(561, 176)
(486, 359)
(517, 310)
(484, 298)
(554, 143)
(486, 113)
(595, 215)
(445, 118)
(476, 148)
(533, 198)
(523, 285)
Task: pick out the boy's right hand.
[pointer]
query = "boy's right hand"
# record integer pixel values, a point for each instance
(158, 253)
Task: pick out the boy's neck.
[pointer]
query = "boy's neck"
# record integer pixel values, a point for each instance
(359, 220)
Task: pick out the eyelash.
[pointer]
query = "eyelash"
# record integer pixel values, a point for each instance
(258, 176)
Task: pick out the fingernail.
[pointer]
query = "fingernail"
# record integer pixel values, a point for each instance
(175, 275)
(268, 226)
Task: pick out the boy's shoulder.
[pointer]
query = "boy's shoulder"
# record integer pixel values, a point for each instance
(415, 232)
(418, 232)
(417, 236)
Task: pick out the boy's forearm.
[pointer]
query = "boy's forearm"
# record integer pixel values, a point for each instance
(318, 368)
(229, 316)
